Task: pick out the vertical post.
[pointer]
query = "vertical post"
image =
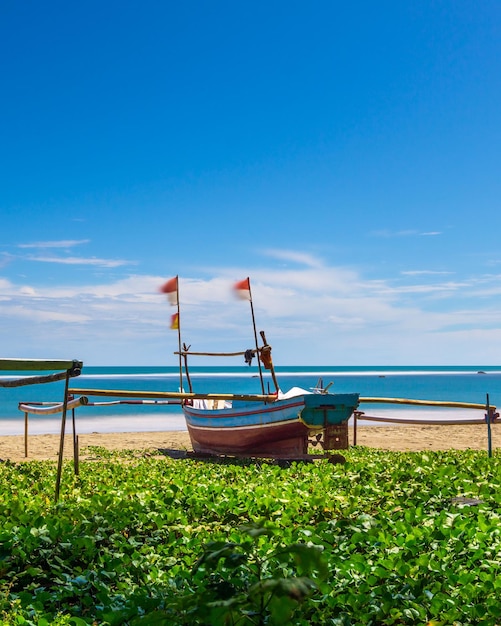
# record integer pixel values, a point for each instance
(26, 434)
(75, 443)
(488, 420)
(77, 459)
(61, 439)
(266, 349)
(355, 419)
(187, 372)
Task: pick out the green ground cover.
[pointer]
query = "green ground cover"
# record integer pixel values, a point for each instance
(387, 538)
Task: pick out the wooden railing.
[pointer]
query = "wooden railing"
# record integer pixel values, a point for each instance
(61, 370)
(491, 414)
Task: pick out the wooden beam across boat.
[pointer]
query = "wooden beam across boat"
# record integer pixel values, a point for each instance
(189, 353)
(37, 365)
(178, 395)
(437, 403)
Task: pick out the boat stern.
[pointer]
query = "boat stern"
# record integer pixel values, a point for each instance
(324, 410)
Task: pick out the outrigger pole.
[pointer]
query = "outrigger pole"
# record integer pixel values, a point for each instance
(184, 395)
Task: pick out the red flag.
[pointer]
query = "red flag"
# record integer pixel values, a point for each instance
(174, 321)
(242, 289)
(170, 288)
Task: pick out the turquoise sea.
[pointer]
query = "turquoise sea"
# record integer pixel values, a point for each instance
(446, 383)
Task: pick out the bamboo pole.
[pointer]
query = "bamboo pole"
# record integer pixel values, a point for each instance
(179, 335)
(75, 443)
(33, 380)
(39, 365)
(121, 393)
(61, 439)
(187, 352)
(186, 370)
(488, 420)
(421, 421)
(439, 403)
(146, 402)
(77, 457)
(255, 336)
(271, 367)
(356, 415)
(26, 434)
(73, 367)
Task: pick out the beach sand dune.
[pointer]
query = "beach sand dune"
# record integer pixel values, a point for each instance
(397, 438)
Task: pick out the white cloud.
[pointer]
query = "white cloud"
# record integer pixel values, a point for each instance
(311, 314)
(389, 233)
(442, 288)
(34, 315)
(300, 258)
(5, 259)
(64, 243)
(425, 273)
(404, 233)
(81, 261)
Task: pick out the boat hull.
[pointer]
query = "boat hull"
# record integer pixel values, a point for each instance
(280, 428)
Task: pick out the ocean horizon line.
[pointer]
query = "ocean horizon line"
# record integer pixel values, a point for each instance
(475, 384)
(172, 372)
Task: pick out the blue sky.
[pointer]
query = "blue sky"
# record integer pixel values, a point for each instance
(345, 156)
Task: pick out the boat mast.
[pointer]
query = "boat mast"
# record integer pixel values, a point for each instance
(171, 289)
(179, 336)
(255, 336)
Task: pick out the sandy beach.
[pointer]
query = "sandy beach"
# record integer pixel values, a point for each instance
(398, 438)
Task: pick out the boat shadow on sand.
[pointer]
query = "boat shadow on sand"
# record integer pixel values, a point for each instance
(248, 459)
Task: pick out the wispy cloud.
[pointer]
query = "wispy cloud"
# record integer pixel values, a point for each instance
(425, 273)
(404, 233)
(38, 315)
(72, 260)
(292, 256)
(64, 243)
(67, 244)
(5, 259)
(441, 288)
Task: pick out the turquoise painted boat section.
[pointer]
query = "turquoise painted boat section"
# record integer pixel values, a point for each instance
(323, 410)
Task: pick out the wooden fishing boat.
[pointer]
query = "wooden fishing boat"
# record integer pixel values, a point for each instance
(268, 424)
(281, 427)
